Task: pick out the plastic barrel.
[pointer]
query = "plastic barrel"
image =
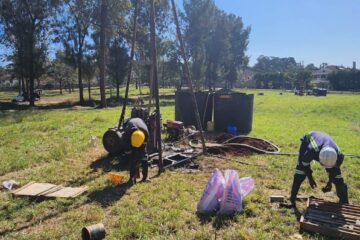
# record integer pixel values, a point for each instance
(184, 109)
(244, 105)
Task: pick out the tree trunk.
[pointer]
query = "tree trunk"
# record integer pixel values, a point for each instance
(81, 91)
(19, 86)
(60, 83)
(89, 89)
(23, 85)
(27, 86)
(102, 53)
(117, 89)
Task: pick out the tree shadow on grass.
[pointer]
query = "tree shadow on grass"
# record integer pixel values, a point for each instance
(109, 194)
(39, 219)
(205, 218)
(223, 221)
(218, 220)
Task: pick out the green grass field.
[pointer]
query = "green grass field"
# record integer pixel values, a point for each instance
(52, 145)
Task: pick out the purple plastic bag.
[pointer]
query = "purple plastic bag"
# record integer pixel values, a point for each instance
(231, 200)
(214, 189)
(246, 186)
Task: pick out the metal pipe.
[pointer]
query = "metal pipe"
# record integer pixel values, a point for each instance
(156, 83)
(133, 40)
(187, 75)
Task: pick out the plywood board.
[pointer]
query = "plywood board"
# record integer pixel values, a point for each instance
(34, 189)
(68, 192)
(49, 190)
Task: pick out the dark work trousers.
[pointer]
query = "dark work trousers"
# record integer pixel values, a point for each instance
(334, 177)
(138, 156)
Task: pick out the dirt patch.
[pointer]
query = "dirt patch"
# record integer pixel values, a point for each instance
(258, 143)
(228, 144)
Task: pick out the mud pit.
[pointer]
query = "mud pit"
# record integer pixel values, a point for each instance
(240, 145)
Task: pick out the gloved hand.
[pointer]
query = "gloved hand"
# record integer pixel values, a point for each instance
(327, 188)
(312, 182)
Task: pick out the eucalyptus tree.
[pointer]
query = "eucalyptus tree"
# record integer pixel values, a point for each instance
(108, 20)
(217, 43)
(89, 67)
(118, 62)
(199, 18)
(61, 72)
(74, 30)
(143, 46)
(25, 29)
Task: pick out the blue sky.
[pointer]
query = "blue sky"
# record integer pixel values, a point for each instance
(313, 31)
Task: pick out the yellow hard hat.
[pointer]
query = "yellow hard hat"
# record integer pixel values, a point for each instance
(137, 138)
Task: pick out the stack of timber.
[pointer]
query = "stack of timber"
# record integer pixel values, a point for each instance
(331, 219)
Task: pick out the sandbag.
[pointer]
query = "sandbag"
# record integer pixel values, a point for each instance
(214, 189)
(231, 201)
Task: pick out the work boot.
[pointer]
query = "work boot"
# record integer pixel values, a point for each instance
(144, 171)
(327, 188)
(298, 179)
(342, 193)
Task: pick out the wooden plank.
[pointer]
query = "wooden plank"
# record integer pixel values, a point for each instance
(34, 189)
(336, 205)
(312, 227)
(342, 224)
(67, 192)
(336, 209)
(348, 214)
(21, 188)
(49, 190)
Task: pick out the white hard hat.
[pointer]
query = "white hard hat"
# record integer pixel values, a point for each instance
(328, 157)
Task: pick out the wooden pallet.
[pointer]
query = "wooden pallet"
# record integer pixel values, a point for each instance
(331, 219)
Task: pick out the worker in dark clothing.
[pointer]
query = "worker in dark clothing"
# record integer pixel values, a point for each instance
(136, 135)
(320, 147)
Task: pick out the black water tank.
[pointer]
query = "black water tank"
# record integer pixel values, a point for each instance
(184, 109)
(234, 109)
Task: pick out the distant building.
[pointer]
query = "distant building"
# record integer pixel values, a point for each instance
(248, 75)
(320, 76)
(6, 81)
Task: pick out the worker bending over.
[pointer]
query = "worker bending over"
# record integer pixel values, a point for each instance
(135, 137)
(320, 147)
